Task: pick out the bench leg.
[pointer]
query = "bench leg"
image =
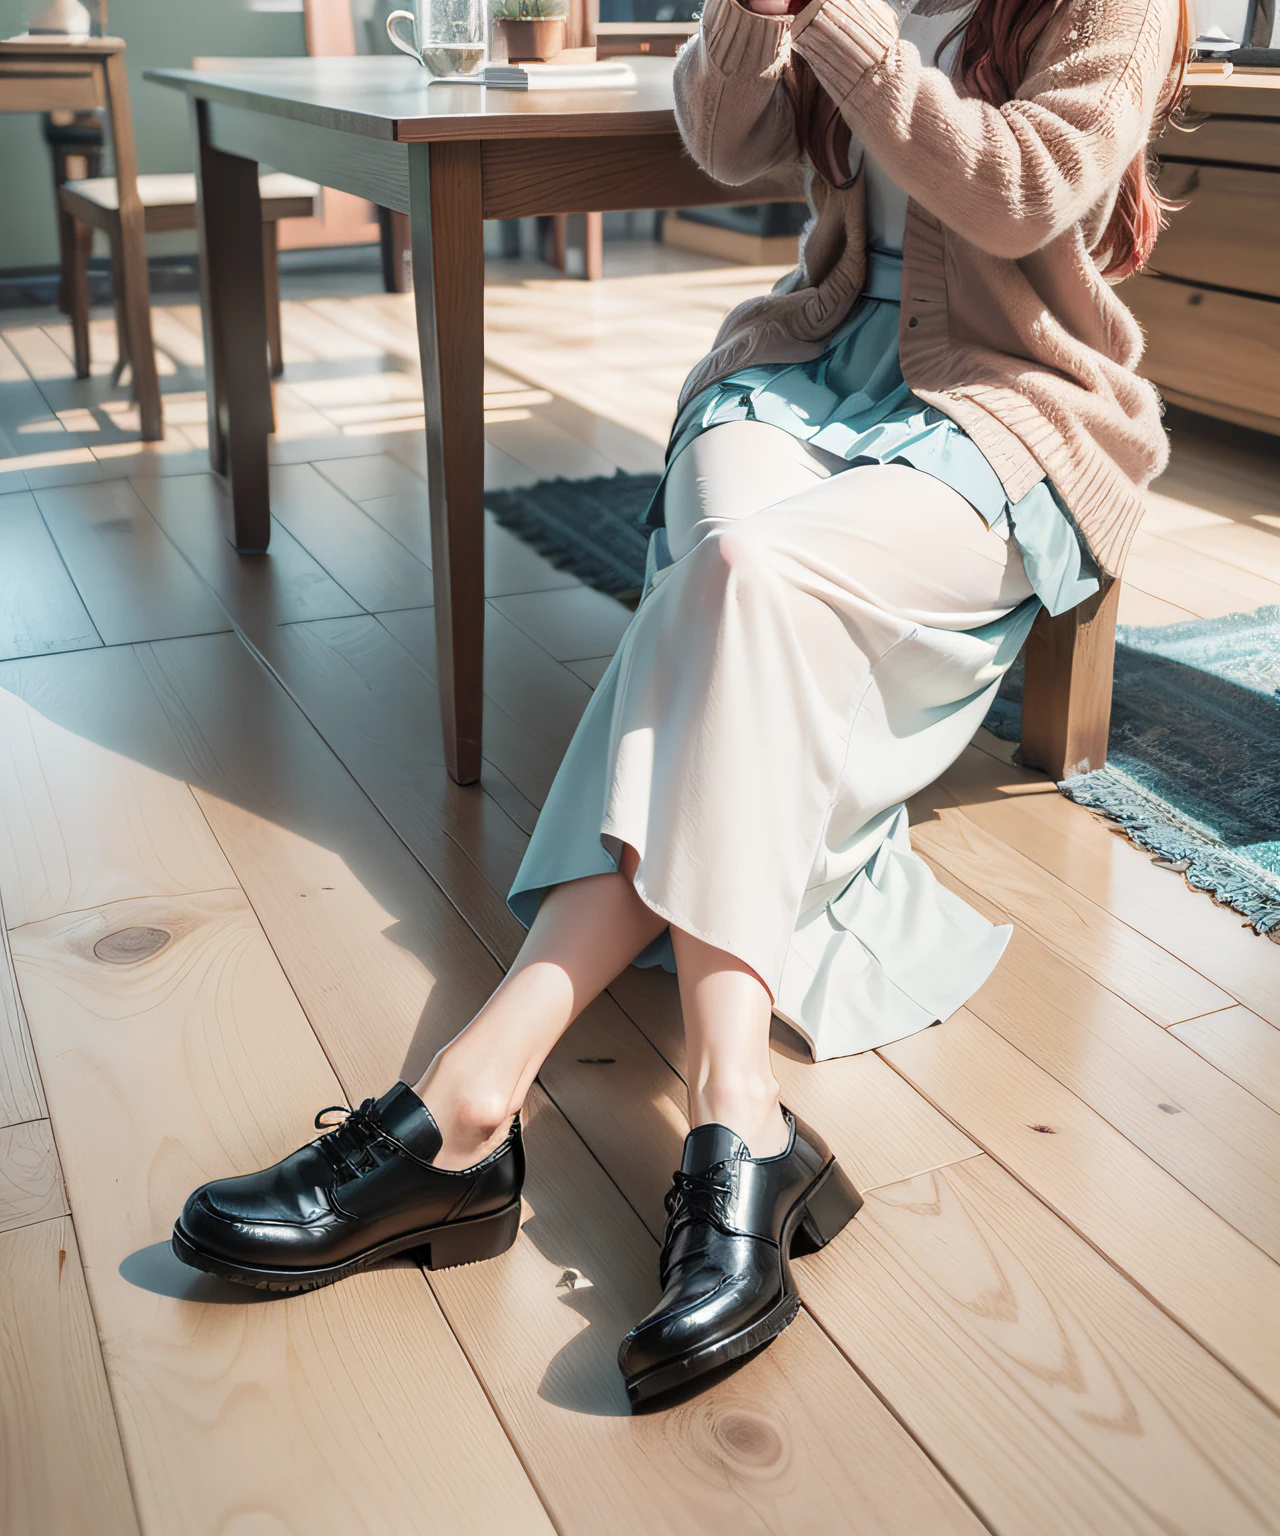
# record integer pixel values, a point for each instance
(1066, 701)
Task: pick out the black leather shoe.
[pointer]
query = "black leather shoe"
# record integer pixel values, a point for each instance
(734, 1222)
(362, 1192)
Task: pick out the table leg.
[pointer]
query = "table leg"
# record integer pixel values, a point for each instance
(1066, 699)
(135, 287)
(448, 269)
(233, 302)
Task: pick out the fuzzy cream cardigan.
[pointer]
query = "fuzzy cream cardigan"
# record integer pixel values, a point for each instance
(1008, 326)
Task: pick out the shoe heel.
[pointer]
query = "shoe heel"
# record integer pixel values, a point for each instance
(828, 1211)
(468, 1242)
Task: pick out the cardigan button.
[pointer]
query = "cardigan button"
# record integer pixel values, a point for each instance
(913, 322)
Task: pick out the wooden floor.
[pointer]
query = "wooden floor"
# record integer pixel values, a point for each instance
(238, 886)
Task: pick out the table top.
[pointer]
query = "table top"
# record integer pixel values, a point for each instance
(388, 98)
(52, 46)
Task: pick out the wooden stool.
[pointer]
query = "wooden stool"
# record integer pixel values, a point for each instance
(168, 202)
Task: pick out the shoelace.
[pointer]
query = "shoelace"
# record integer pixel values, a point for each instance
(696, 1197)
(349, 1143)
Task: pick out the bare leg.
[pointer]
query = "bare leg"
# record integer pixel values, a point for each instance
(727, 1015)
(586, 931)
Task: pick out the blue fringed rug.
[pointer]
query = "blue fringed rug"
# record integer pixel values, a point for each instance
(1193, 762)
(1193, 770)
(594, 529)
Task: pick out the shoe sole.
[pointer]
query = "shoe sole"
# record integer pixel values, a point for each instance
(822, 1213)
(442, 1247)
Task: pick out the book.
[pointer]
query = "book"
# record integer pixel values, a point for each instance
(607, 74)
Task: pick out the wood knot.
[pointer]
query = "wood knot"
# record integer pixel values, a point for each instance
(1045, 1130)
(131, 945)
(750, 1439)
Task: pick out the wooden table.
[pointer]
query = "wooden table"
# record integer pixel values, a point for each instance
(48, 74)
(450, 156)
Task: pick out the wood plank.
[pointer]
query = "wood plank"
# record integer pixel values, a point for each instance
(1142, 972)
(1232, 140)
(1227, 231)
(367, 1031)
(381, 715)
(1057, 1395)
(1205, 596)
(91, 784)
(40, 609)
(30, 1179)
(546, 448)
(569, 625)
(1210, 1279)
(282, 586)
(1210, 345)
(132, 580)
(528, 174)
(1240, 1044)
(522, 681)
(881, 1129)
(376, 950)
(362, 557)
(21, 1096)
(793, 1442)
(1093, 857)
(1246, 546)
(1141, 608)
(26, 422)
(1205, 1130)
(1246, 589)
(591, 670)
(64, 1470)
(194, 1062)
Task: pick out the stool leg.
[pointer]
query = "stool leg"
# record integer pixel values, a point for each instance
(271, 277)
(75, 278)
(1066, 700)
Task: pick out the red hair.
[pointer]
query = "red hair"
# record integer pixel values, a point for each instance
(998, 38)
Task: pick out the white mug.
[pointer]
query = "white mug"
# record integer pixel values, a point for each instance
(447, 37)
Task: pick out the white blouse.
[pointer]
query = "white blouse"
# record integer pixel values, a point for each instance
(886, 201)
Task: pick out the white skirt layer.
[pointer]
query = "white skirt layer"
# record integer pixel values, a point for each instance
(814, 648)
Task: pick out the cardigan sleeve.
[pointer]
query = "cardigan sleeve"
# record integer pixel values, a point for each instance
(1008, 179)
(733, 111)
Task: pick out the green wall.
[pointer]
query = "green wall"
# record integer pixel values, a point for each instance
(160, 34)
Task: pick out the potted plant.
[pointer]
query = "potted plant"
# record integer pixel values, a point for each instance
(534, 30)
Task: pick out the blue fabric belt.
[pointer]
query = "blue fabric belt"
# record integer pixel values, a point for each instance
(884, 276)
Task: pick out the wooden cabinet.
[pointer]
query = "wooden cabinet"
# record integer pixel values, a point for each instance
(1209, 300)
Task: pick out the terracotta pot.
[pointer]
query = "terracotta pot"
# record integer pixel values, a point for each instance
(535, 41)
